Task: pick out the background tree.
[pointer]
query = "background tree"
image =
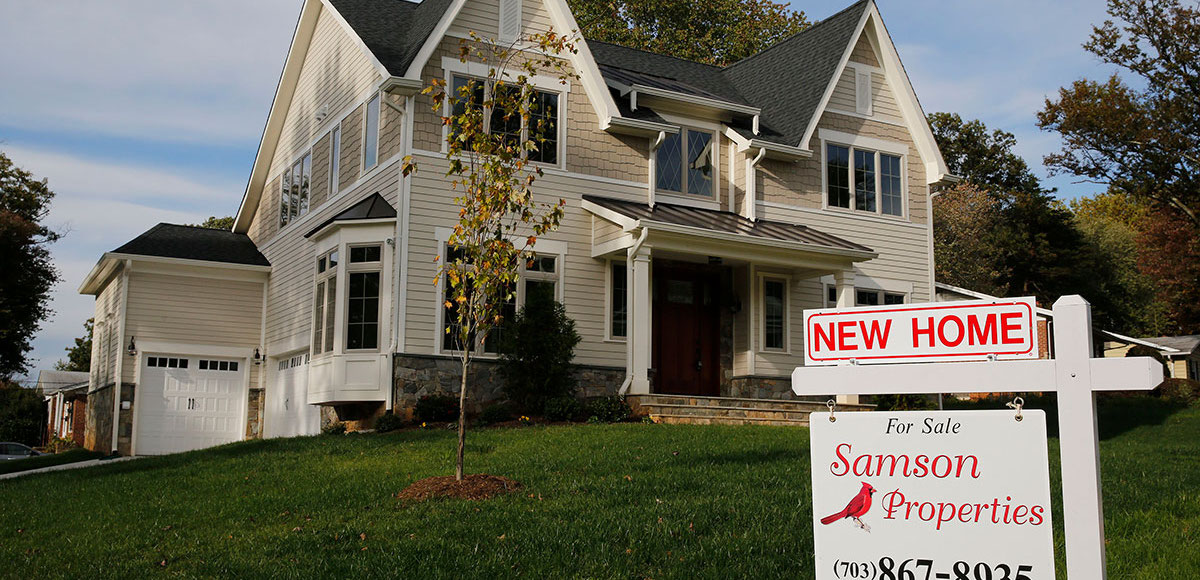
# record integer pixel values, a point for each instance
(981, 157)
(79, 357)
(26, 272)
(968, 253)
(494, 124)
(718, 32)
(217, 223)
(1170, 258)
(21, 414)
(1141, 141)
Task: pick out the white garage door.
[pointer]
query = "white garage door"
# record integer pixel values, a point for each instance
(288, 413)
(189, 403)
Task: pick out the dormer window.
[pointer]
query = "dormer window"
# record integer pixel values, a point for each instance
(684, 163)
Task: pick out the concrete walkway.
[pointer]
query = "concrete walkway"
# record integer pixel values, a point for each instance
(76, 465)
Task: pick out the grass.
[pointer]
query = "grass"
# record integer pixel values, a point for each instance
(607, 501)
(50, 460)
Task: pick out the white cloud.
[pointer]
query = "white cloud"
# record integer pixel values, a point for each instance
(101, 205)
(163, 71)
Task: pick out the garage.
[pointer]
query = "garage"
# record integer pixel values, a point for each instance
(288, 413)
(187, 403)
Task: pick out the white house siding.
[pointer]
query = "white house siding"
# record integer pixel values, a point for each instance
(336, 73)
(883, 101)
(583, 277)
(293, 266)
(862, 52)
(482, 17)
(193, 310)
(106, 333)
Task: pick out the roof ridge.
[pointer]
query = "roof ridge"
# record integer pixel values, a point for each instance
(792, 37)
(653, 53)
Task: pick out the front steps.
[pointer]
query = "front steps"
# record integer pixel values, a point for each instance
(689, 410)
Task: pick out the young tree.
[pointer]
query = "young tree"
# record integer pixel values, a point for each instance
(27, 272)
(1141, 141)
(497, 125)
(79, 357)
(718, 32)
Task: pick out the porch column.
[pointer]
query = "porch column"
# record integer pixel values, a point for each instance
(639, 320)
(845, 299)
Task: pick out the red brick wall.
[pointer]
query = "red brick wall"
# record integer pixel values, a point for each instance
(78, 420)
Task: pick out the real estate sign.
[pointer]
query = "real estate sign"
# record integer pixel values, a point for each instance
(938, 495)
(939, 331)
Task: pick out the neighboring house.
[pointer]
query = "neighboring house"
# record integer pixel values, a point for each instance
(948, 293)
(706, 209)
(1181, 353)
(65, 393)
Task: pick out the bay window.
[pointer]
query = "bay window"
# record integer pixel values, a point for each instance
(362, 298)
(684, 163)
(873, 177)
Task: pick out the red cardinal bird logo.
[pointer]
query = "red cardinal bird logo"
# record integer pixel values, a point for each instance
(855, 509)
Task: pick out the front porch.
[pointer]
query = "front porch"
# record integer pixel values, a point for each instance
(713, 301)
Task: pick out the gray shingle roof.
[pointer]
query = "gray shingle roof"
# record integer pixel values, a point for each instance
(724, 221)
(371, 207)
(394, 30)
(788, 79)
(195, 243)
(1186, 343)
(53, 381)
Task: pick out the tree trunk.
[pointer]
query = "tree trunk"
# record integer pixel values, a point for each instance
(462, 422)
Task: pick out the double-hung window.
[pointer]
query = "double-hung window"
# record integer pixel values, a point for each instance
(774, 314)
(362, 297)
(864, 180)
(538, 285)
(685, 163)
(541, 125)
(325, 303)
(293, 191)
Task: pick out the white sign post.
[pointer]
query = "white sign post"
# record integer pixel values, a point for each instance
(1073, 374)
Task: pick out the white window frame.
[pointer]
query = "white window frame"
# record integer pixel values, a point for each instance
(299, 160)
(452, 67)
(714, 156)
(335, 161)
(876, 146)
(544, 248)
(331, 274)
(363, 268)
(880, 293)
(609, 289)
(761, 314)
(376, 98)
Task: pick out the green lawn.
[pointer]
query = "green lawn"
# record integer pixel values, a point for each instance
(615, 501)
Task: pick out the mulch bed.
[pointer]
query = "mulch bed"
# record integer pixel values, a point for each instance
(472, 487)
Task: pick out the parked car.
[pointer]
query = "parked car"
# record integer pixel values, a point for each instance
(16, 451)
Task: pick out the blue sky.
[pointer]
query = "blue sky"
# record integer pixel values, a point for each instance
(144, 111)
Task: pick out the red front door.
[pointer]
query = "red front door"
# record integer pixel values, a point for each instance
(687, 326)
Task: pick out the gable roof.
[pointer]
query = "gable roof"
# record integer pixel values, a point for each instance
(195, 243)
(1185, 344)
(372, 207)
(49, 382)
(788, 80)
(393, 30)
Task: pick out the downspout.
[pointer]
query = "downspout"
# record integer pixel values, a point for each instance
(932, 257)
(654, 145)
(633, 250)
(752, 185)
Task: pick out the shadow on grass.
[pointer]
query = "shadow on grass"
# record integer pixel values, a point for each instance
(1117, 413)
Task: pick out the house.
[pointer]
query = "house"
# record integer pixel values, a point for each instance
(1180, 353)
(65, 393)
(707, 208)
